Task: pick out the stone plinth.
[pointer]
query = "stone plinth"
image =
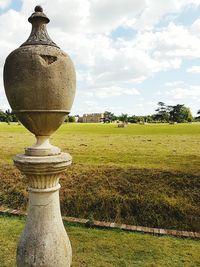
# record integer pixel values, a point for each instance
(44, 242)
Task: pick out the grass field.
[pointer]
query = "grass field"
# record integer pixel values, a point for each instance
(97, 248)
(162, 146)
(143, 174)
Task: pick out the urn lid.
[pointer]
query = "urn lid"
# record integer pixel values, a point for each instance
(39, 34)
(38, 14)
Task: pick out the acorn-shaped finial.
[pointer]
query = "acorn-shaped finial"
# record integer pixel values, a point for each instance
(38, 9)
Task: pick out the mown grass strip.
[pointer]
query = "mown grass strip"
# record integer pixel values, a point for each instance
(96, 248)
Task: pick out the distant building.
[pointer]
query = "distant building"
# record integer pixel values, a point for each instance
(76, 118)
(93, 118)
(80, 119)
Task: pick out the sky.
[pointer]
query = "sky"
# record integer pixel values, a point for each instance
(128, 54)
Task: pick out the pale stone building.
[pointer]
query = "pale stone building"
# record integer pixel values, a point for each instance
(93, 118)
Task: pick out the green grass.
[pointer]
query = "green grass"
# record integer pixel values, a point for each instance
(159, 146)
(96, 248)
(142, 174)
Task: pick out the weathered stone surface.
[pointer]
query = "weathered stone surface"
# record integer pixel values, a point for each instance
(41, 103)
(40, 82)
(55, 81)
(44, 242)
(42, 148)
(43, 172)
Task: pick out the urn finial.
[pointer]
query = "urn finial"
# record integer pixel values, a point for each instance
(38, 9)
(38, 15)
(39, 34)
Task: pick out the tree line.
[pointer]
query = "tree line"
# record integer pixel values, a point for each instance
(8, 116)
(164, 113)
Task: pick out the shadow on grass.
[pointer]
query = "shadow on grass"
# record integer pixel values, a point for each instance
(154, 198)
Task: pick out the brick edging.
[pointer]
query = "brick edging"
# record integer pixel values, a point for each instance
(112, 225)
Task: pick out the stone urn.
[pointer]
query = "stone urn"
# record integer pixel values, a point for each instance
(39, 81)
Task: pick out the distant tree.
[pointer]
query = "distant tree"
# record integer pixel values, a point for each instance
(123, 117)
(162, 112)
(14, 118)
(148, 118)
(136, 119)
(133, 119)
(72, 119)
(67, 119)
(140, 118)
(2, 116)
(109, 117)
(180, 113)
(8, 116)
(197, 118)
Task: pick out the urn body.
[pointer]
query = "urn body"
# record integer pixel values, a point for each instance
(40, 85)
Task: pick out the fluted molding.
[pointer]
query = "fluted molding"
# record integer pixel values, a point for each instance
(43, 172)
(43, 181)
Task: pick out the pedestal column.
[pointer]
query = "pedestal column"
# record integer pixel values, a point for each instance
(44, 242)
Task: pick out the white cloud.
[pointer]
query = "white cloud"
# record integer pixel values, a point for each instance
(194, 69)
(185, 93)
(137, 59)
(94, 107)
(69, 16)
(171, 44)
(154, 10)
(107, 92)
(104, 16)
(175, 83)
(148, 53)
(108, 67)
(152, 13)
(108, 15)
(14, 30)
(4, 3)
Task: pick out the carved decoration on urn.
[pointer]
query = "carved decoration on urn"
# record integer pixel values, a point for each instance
(39, 35)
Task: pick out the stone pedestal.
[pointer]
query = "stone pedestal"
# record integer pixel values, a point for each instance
(44, 242)
(40, 84)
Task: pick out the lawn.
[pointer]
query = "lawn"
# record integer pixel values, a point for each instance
(164, 146)
(143, 174)
(97, 248)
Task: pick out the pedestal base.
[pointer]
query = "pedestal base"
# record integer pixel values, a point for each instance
(42, 148)
(44, 242)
